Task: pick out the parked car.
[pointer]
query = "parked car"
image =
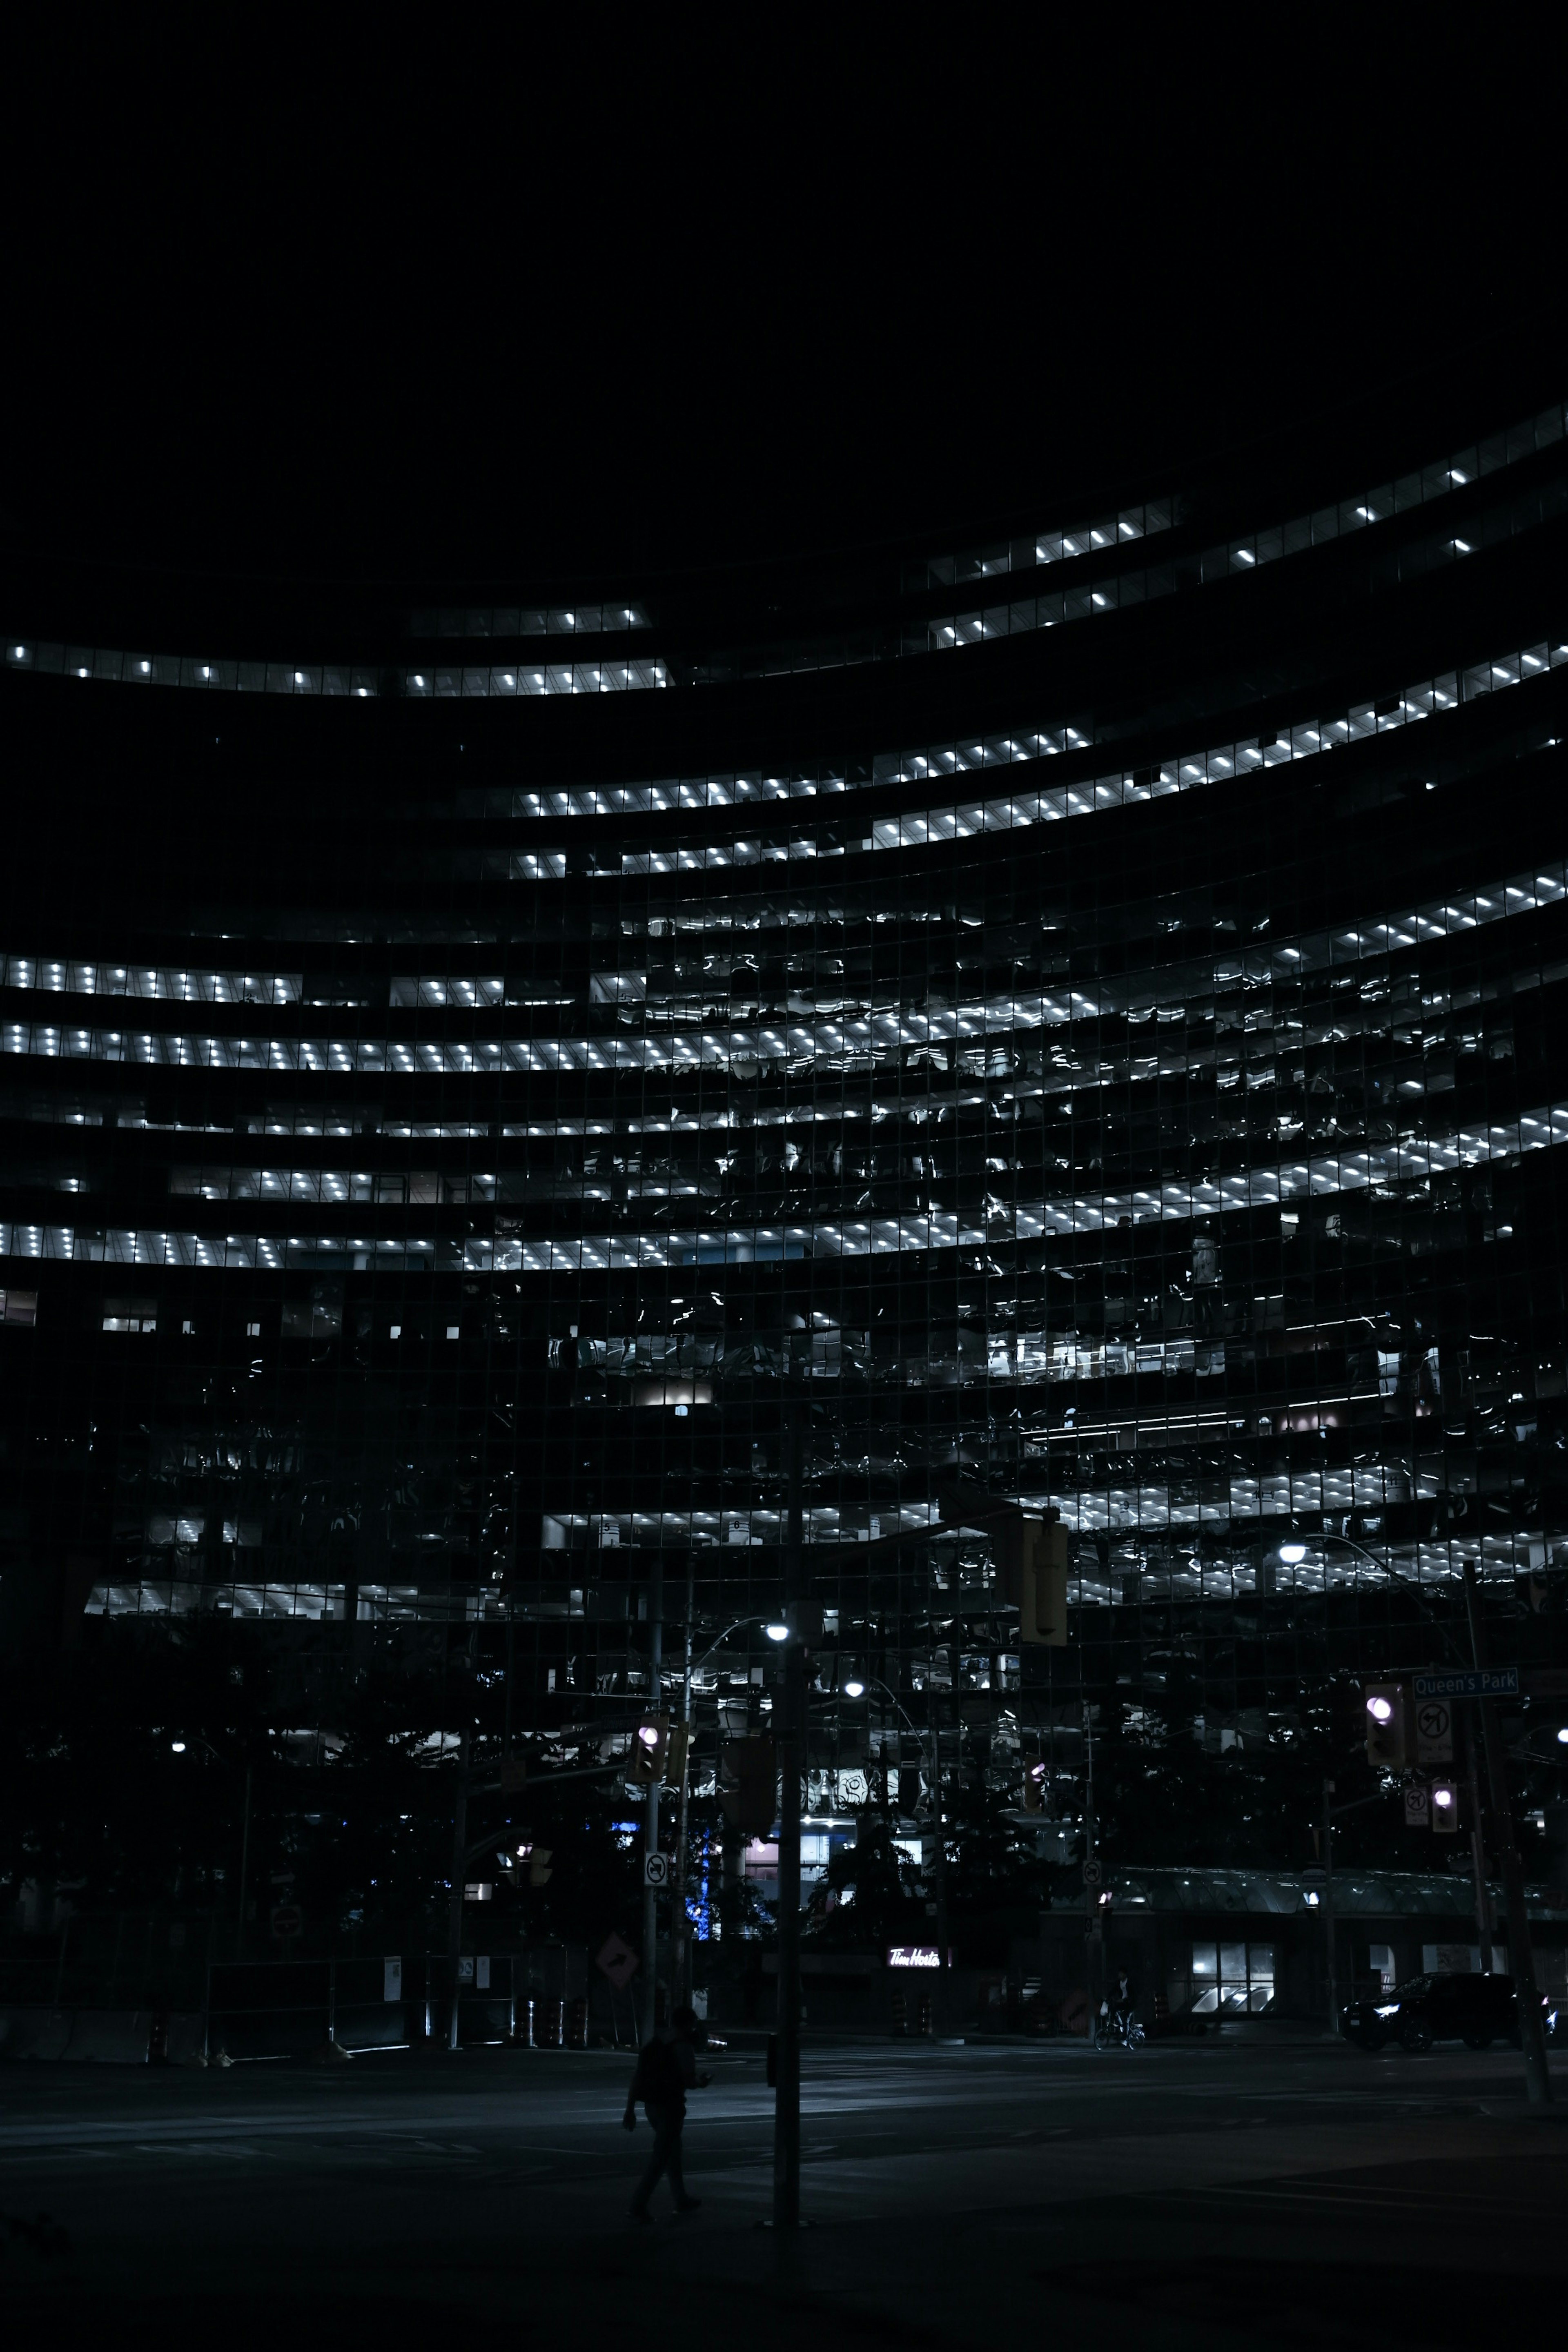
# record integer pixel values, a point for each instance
(1474, 2009)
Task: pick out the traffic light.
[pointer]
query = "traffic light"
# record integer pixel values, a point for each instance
(675, 1754)
(748, 1784)
(1035, 1788)
(1445, 1807)
(538, 1858)
(1032, 1560)
(650, 1745)
(1386, 1726)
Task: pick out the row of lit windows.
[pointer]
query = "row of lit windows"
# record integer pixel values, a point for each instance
(850, 1027)
(1190, 771)
(1413, 489)
(1117, 592)
(1253, 966)
(505, 681)
(1301, 740)
(528, 621)
(1375, 1167)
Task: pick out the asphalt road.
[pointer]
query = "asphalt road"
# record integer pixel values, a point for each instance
(1223, 2193)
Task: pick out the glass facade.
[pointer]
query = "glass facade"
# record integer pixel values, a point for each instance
(440, 1141)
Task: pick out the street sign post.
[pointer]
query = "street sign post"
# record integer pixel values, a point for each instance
(617, 1960)
(1418, 1805)
(1091, 1873)
(1469, 1682)
(287, 1919)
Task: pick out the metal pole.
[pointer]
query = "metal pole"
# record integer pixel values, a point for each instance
(786, 2108)
(1092, 1933)
(1522, 1958)
(1329, 1905)
(939, 1861)
(1484, 1923)
(459, 1866)
(650, 1836)
(681, 1925)
(244, 1868)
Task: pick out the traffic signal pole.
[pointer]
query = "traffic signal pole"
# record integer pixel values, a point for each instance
(460, 1871)
(792, 1759)
(1484, 1924)
(650, 1836)
(1329, 1931)
(1520, 1955)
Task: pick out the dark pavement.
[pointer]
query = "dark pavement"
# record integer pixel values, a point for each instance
(1256, 2191)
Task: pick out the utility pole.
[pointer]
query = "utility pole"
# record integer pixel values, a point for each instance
(1522, 1958)
(1329, 1903)
(791, 1744)
(244, 1869)
(1093, 1932)
(1485, 1927)
(938, 1859)
(681, 1925)
(650, 1835)
(459, 1869)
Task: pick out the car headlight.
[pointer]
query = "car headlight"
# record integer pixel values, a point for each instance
(1389, 2009)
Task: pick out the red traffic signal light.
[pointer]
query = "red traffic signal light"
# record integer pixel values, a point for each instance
(650, 1745)
(1385, 1725)
(1445, 1807)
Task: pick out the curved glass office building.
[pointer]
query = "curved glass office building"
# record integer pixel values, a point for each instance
(1085, 1012)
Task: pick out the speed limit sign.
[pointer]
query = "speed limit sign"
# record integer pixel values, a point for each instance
(656, 1870)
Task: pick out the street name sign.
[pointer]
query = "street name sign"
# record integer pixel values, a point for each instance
(1474, 1681)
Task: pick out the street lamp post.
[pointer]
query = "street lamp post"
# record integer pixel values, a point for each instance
(1522, 1956)
(792, 1728)
(650, 1832)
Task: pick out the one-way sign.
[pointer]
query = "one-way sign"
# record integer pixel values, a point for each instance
(1478, 1682)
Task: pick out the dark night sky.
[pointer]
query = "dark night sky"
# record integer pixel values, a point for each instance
(288, 343)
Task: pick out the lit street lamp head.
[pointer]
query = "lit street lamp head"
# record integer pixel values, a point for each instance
(777, 1632)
